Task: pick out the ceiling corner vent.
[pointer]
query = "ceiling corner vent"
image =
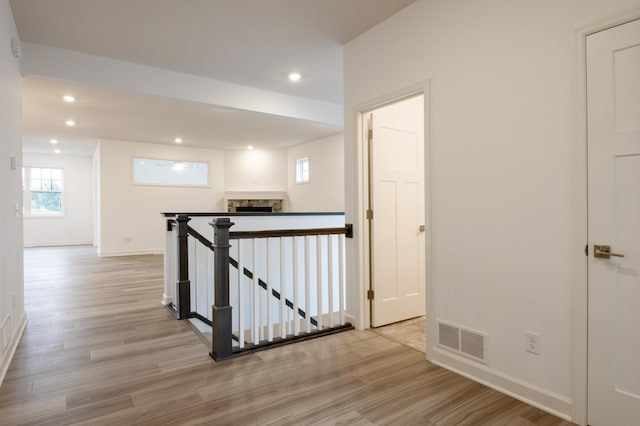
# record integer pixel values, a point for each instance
(463, 341)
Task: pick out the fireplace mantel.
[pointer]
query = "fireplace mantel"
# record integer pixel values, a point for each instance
(255, 195)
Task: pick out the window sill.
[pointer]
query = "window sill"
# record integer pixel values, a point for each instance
(44, 216)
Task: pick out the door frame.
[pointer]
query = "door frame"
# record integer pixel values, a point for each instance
(362, 111)
(580, 309)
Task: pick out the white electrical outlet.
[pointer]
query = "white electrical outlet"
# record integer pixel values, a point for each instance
(532, 342)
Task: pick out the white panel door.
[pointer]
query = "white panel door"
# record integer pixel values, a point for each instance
(613, 105)
(397, 201)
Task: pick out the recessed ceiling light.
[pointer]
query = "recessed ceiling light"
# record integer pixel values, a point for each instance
(54, 141)
(178, 140)
(250, 147)
(56, 151)
(294, 76)
(70, 123)
(69, 98)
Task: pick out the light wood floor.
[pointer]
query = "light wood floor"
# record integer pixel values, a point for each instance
(100, 349)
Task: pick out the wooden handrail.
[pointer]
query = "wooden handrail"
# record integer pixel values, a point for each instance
(243, 235)
(198, 236)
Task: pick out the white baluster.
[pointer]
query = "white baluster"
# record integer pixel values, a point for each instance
(283, 305)
(240, 298)
(341, 240)
(170, 277)
(255, 289)
(319, 279)
(193, 269)
(268, 298)
(296, 322)
(330, 278)
(211, 283)
(307, 285)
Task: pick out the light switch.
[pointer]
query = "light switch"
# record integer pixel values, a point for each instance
(14, 162)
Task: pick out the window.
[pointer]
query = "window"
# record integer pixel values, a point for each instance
(149, 171)
(302, 170)
(42, 190)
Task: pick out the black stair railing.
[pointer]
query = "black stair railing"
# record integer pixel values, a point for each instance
(223, 280)
(222, 342)
(184, 291)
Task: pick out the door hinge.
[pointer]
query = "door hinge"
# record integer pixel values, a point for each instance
(369, 214)
(586, 250)
(369, 294)
(370, 134)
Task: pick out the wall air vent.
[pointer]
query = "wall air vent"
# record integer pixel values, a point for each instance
(463, 341)
(449, 336)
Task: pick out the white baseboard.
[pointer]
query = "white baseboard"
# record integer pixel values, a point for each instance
(129, 253)
(528, 393)
(166, 300)
(59, 243)
(352, 319)
(13, 345)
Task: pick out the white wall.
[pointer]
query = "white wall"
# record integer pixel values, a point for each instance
(12, 315)
(501, 162)
(95, 182)
(255, 170)
(76, 225)
(130, 220)
(325, 190)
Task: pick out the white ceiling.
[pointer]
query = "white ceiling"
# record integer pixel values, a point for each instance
(109, 114)
(253, 43)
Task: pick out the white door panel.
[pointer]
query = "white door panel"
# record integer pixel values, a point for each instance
(397, 201)
(613, 104)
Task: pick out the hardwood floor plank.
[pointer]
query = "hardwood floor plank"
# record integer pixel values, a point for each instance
(99, 349)
(43, 407)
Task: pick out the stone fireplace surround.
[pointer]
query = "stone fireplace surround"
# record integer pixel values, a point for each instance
(273, 199)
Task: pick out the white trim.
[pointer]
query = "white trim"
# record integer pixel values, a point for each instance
(528, 393)
(44, 216)
(362, 238)
(5, 362)
(59, 244)
(579, 289)
(349, 318)
(129, 253)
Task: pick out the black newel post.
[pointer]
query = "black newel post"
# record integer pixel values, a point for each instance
(183, 290)
(221, 347)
